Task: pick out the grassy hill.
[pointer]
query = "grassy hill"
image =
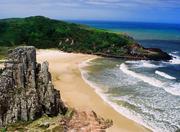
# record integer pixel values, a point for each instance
(43, 32)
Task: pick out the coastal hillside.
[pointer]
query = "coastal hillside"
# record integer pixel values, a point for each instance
(43, 32)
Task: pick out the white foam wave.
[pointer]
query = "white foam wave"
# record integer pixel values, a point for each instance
(165, 75)
(86, 63)
(174, 89)
(175, 60)
(123, 111)
(151, 81)
(149, 65)
(132, 62)
(175, 52)
(170, 88)
(143, 63)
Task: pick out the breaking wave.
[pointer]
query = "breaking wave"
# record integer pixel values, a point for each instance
(170, 88)
(165, 75)
(176, 58)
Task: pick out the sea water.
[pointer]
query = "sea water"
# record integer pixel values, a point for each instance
(147, 92)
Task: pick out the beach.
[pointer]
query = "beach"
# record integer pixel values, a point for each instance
(76, 93)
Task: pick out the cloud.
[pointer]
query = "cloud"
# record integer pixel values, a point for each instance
(99, 3)
(135, 3)
(164, 10)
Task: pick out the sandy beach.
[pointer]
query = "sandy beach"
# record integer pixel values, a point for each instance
(76, 93)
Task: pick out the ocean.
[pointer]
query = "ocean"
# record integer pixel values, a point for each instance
(147, 92)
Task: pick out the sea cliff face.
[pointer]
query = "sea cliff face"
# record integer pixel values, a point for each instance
(26, 90)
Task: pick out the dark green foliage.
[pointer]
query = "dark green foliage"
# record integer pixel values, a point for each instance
(43, 32)
(3, 130)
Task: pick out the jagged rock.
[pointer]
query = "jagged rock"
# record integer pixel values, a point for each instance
(26, 90)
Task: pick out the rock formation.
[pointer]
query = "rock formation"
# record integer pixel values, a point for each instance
(86, 121)
(26, 90)
(156, 54)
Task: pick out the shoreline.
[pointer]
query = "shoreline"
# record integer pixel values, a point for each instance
(76, 93)
(122, 111)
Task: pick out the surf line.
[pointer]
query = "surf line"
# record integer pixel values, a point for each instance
(165, 75)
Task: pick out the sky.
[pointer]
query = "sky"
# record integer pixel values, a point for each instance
(163, 11)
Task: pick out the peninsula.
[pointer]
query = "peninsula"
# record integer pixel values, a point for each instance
(44, 33)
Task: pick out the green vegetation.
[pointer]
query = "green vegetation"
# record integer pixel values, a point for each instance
(3, 130)
(43, 32)
(4, 51)
(43, 124)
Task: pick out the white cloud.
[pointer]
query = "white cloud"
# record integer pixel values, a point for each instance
(152, 3)
(100, 3)
(93, 9)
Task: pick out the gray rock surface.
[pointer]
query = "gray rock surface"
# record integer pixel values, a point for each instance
(26, 90)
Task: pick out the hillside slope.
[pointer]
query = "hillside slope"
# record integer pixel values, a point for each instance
(43, 32)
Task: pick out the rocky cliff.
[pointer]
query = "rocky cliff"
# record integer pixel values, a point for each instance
(26, 90)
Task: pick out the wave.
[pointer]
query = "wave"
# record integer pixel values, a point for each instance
(143, 63)
(86, 63)
(149, 111)
(176, 59)
(164, 75)
(105, 97)
(170, 88)
(132, 62)
(175, 52)
(148, 64)
(121, 109)
(146, 79)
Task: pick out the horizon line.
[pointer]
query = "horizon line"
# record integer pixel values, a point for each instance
(97, 20)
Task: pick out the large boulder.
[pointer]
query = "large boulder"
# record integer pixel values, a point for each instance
(26, 89)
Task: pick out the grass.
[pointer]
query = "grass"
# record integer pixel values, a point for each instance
(4, 51)
(43, 124)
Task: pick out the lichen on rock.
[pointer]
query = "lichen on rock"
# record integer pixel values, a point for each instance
(26, 89)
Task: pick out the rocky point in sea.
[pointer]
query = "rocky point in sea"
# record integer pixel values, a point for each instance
(26, 89)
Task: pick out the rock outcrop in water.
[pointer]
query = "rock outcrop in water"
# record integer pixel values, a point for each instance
(26, 90)
(136, 50)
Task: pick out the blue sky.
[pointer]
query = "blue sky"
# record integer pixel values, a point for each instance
(167, 11)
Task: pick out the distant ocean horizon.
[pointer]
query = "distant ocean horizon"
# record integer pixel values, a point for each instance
(147, 92)
(147, 34)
